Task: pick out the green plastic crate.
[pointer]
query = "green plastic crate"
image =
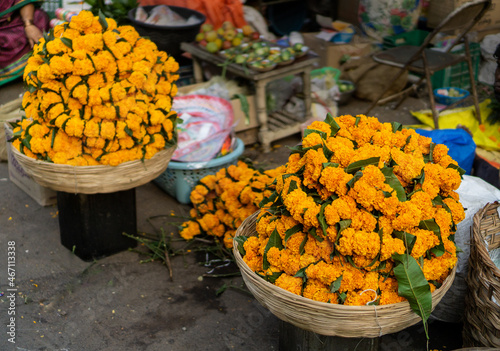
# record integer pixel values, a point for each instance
(414, 37)
(50, 6)
(458, 75)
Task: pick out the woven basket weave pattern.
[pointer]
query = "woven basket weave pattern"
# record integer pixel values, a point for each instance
(324, 318)
(482, 314)
(95, 179)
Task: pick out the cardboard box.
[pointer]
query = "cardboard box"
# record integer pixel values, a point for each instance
(240, 118)
(17, 175)
(439, 9)
(330, 54)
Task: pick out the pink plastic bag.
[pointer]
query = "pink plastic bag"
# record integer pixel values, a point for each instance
(208, 120)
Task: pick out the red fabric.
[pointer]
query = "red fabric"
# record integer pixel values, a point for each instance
(216, 11)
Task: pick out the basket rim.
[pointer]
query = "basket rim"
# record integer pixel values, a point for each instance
(95, 179)
(239, 260)
(240, 147)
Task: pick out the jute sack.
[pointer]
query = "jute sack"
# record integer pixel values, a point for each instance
(8, 111)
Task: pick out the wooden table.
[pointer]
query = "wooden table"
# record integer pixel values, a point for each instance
(279, 124)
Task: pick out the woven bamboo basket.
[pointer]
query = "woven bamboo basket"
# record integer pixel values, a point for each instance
(95, 179)
(482, 314)
(324, 318)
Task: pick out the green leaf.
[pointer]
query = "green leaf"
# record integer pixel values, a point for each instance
(330, 164)
(327, 152)
(310, 131)
(358, 165)
(291, 231)
(26, 141)
(393, 182)
(293, 186)
(269, 199)
(274, 241)
(54, 132)
(407, 238)
(430, 224)
(273, 277)
(67, 42)
(335, 286)
(342, 298)
(221, 290)
(322, 219)
(128, 131)
(357, 121)
(413, 286)
(428, 158)
(354, 179)
(241, 240)
(312, 232)
(459, 169)
(333, 124)
(302, 244)
(396, 127)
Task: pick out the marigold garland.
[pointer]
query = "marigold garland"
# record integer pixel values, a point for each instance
(354, 197)
(222, 201)
(98, 93)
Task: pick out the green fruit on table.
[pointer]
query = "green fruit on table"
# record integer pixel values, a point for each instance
(212, 47)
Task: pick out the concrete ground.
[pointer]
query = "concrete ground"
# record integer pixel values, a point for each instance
(118, 303)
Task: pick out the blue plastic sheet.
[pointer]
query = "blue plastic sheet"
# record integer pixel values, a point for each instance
(459, 142)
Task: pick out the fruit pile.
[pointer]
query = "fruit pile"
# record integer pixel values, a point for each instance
(224, 37)
(262, 55)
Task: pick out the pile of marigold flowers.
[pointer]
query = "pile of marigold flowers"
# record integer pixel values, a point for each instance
(359, 201)
(221, 202)
(97, 93)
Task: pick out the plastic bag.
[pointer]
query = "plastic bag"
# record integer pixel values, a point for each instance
(460, 144)
(164, 16)
(208, 121)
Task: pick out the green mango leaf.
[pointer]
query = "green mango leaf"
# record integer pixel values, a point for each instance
(413, 286)
(67, 42)
(274, 241)
(342, 298)
(291, 231)
(53, 137)
(26, 141)
(335, 286)
(459, 169)
(396, 127)
(273, 277)
(393, 181)
(322, 219)
(357, 121)
(293, 186)
(407, 238)
(312, 232)
(358, 165)
(310, 131)
(327, 152)
(341, 226)
(428, 158)
(302, 244)
(330, 164)
(430, 224)
(333, 124)
(241, 240)
(269, 199)
(354, 179)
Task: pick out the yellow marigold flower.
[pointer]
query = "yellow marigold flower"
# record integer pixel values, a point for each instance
(311, 140)
(343, 150)
(408, 167)
(82, 21)
(318, 291)
(74, 127)
(61, 65)
(289, 283)
(83, 67)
